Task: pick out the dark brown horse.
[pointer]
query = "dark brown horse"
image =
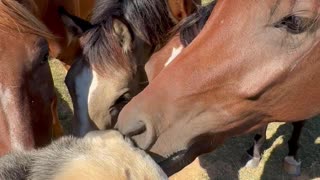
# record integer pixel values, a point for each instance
(244, 70)
(116, 44)
(26, 85)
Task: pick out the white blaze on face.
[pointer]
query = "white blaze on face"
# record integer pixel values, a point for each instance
(174, 54)
(82, 81)
(93, 86)
(11, 113)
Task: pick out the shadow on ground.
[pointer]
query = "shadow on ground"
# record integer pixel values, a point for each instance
(226, 161)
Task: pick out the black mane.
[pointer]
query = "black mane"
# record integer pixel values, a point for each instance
(148, 18)
(192, 25)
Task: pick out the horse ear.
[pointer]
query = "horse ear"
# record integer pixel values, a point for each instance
(122, 32)
(74, 25)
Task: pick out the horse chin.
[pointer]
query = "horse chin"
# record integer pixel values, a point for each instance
(180, 159)
(175, 162)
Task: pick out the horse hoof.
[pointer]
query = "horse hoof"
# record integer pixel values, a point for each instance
(251, 162)
(292, 166)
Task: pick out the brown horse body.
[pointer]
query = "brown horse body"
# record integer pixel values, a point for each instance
(244, 70)
(26, 85)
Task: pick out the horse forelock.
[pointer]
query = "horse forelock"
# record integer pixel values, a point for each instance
(15, 17)
(149, 19)
(103, 51)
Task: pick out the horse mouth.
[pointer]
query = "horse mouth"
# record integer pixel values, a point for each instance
(175, 162)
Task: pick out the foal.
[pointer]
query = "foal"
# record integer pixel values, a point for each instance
(98, 156)
(115, 46)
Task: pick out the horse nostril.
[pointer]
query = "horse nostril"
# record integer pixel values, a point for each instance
(134, 129)
(140, 132)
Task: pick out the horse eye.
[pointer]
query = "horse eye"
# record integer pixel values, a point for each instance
(119, 104)
(294, 24)
(124, 98)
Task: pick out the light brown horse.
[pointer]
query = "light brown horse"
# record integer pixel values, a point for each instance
(107, 75)
(26, 85)
(245, 69)
(65, 47)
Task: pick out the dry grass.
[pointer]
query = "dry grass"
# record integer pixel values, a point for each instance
(64, 101)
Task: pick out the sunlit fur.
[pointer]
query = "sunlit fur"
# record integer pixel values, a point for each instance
(98, 156)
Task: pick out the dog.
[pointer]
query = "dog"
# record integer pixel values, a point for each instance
(98, 156)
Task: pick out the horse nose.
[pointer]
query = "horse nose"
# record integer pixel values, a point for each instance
(140, 131)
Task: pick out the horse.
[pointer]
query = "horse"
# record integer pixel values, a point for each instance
(97, 156)
(117, 42)
(65, 47)
(187, 32)
(26, 85)
(243, 71)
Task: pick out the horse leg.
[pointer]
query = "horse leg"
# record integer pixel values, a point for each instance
(291, 163)
(254, 153)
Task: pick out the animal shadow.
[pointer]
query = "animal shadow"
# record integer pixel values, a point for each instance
(308, 153)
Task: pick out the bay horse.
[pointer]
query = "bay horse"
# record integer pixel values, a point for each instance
(117, 42)
(26, 87)
(187, 32)
(244, 70)
(98, 156)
